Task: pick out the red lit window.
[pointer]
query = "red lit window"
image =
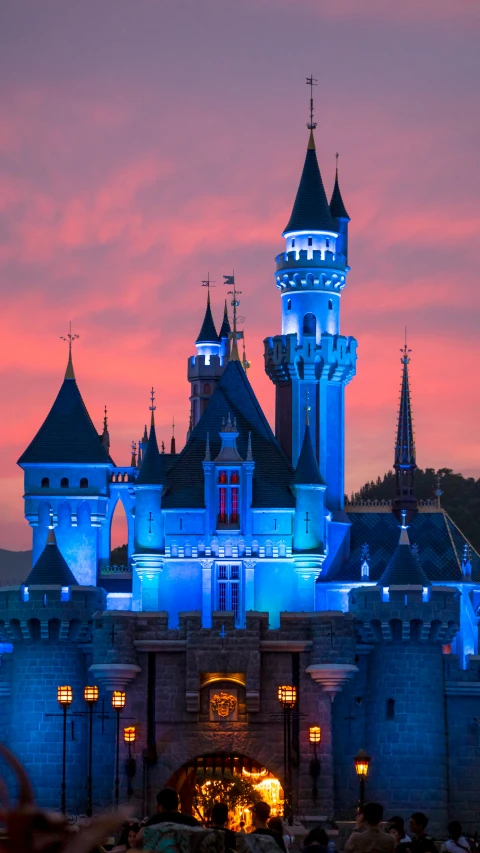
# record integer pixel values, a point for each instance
(234, 478)
(222, 506)
(234, 506)
(222, 477)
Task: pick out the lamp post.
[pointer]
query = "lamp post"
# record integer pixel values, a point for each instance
(287, 696)
(362, 763)
(90, 694)
(64, 699)
(315, 736)
(118, 704)
(129, 737)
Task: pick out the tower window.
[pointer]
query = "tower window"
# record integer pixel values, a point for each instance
(206, 388)
(84, 483)
(228, 498)
(289, 305)
(327, 242)
(45, 483)
(64, 483)
(330, 305)
(309, 324)
(293, 243)
(310, 241)
(390, 709)
(227, 595)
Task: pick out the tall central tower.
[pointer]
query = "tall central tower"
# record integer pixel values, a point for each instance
(311, 357)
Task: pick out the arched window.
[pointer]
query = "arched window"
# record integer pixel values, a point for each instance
(327, 242)
(195, 389)
(45, 483)
(330, 305)
(309, 324)
(64, 483)
(84, 483)
(206, 388)
(289, 305)
(293, 242)
(228, 498)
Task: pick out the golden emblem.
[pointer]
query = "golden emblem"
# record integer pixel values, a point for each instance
(223, 704)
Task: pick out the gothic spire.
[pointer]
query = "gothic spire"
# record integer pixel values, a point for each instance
(311, 211)
(225, 330)
(208, 332)
(405, 457)
(337, 207)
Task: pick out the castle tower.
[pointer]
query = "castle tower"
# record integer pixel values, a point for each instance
(404, 622)
(149, 524)
(48, 622)
(67, 468)
(405, 463)
(310, 355)
(205, 368)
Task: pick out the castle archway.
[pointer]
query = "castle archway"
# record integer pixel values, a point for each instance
(233, 778)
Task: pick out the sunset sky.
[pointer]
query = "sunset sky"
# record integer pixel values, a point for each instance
(144, 143)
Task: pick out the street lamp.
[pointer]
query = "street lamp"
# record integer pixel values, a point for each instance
(90, 694)
(118, 704)
(64, 699)
(129, 737)
(362, 763)
(315, 736)
(287, 696)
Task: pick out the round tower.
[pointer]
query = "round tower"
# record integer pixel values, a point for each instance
(206, 367)
(48, 621)
(405, 622)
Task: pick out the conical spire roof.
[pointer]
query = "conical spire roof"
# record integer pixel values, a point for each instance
(404, 568)
(337, 207)
(208, 332)
(405, 456)
(152, 470)
(67, 434)
(311, 211)
(307, 472)
(225, 331)
(51, 567)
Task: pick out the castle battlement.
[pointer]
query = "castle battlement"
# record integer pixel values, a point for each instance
(404, 613)
(305, 259)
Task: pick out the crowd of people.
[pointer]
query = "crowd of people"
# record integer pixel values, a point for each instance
(371, 834)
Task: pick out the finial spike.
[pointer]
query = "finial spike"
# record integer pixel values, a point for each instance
(249, 448)
(307, 407)
(51, 538)
(133, 462)
(69, 373)
(207, 449)
(235, 335)
(152, 407)
(311, 81)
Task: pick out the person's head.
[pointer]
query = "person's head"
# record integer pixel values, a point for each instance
(276, 824)
(260, 814)
(219, 814)
(418, 823)
(373, 813)
(167, 800)
(455, 830)
(316, 838)
(396, 827)
(133, 829)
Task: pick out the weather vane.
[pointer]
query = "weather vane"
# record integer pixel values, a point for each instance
(69, 338)
(208, 282)
(229, 280)
(311, 81)
(152, 396)
(404, 350)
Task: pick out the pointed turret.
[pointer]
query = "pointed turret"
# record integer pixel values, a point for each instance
(105, 436)
(307, 471)
(405, 457)
(51, 568)
(225, 330)
(311, 211)
(340, 217)
(208, 333)
(404, 568)
(152, 471)
(67, 434)
(173, 448)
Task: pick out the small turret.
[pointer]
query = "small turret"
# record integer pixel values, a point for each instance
(51, 568)
(340, 217)
(405, 463)
(404, 568)
(206, 367)
(225, 335)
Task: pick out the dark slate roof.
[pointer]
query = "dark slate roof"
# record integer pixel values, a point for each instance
(153, 468)
(208, 332)
(337, 207)
(439, 541)
(307, 472)
(67, 434)
(273, 473)
(404, 568)
(51, 567)
(311, 210)
(225, 330)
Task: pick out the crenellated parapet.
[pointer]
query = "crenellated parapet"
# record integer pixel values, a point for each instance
(49, 612)
(333, 359)
(322, 269)
(404, 613)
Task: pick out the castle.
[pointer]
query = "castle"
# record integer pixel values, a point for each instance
(246, 571)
